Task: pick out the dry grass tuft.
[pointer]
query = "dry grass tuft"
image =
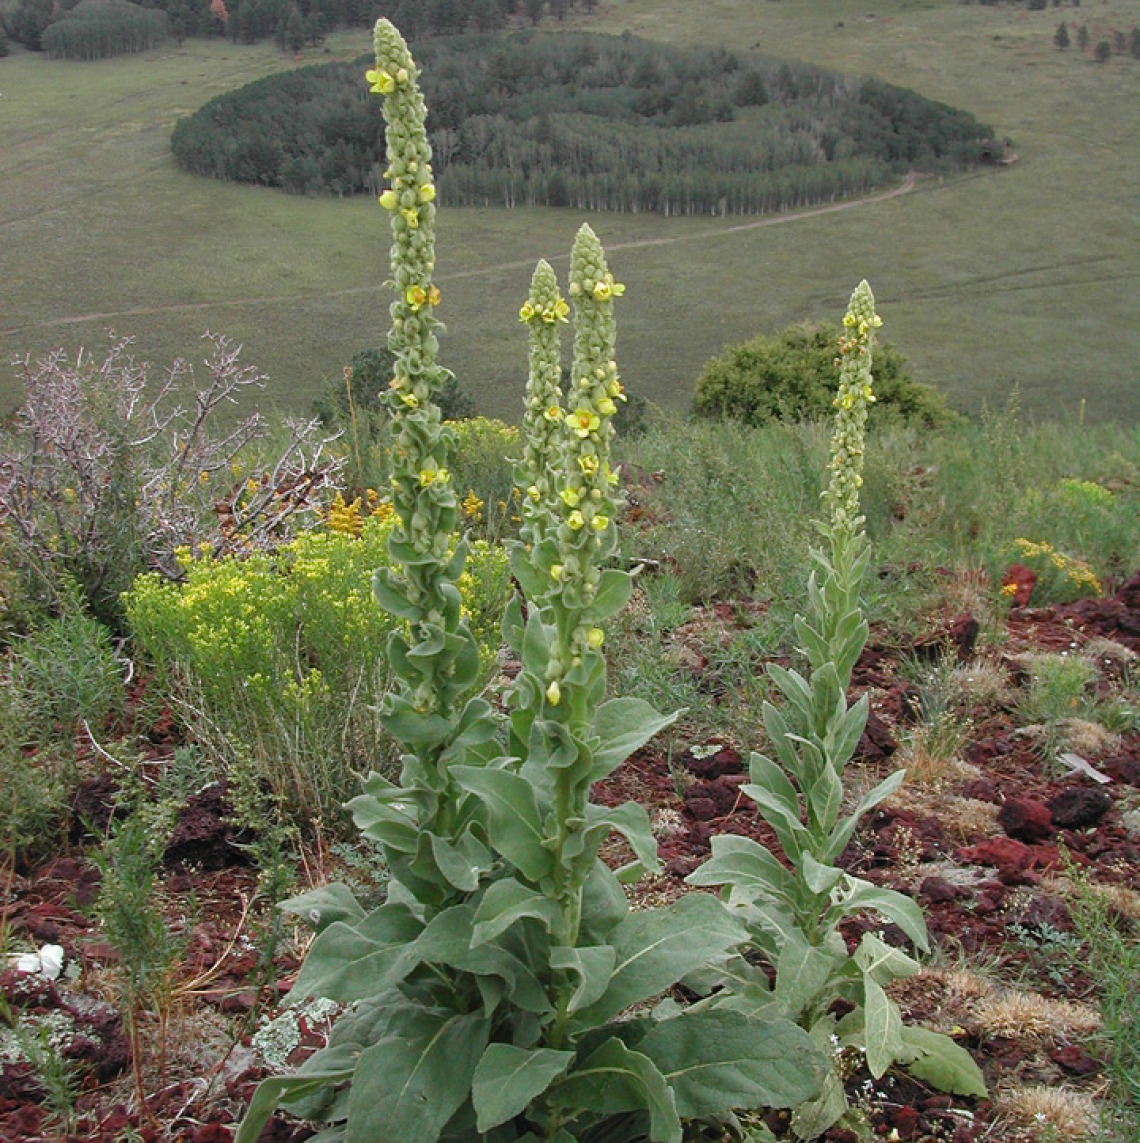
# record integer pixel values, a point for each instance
(983, 685)
(1029, 1016)
(1050, 1113)
(1119, 898)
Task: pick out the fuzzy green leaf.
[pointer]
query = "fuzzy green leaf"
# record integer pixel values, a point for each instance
(506, 902)
(844, 733)
(716, 1060)
(746, 865)
(508, 1078)
(882, 962)
(336, 1068)
(894, 906)
(463, 861)
(593, 965)
(391, 598)
(657, 947)
(632, 822)
(802, 972)
(321, 907)
(937, 1060)
(614, 591)
(817, 877)
(845, 830)
(882, 1028)
(412, 1082)
(614, 1079)
(350, 962)
(514, 823)
(623, 726)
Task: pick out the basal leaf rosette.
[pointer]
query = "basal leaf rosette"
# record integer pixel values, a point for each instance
(852, 402)
(544, 312)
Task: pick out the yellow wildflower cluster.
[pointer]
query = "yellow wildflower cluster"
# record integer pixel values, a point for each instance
(1078, 577)
(472, 507)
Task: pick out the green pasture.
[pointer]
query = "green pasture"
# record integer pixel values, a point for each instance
(1022, 275)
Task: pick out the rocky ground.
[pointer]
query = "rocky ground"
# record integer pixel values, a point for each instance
(990, 837)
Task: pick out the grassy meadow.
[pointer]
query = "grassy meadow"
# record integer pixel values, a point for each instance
(1022, 275)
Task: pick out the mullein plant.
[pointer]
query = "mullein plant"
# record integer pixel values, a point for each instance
(544, 312)
(489, 997)
(793, 904)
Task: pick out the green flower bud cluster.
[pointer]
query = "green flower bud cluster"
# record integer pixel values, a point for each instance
(421, 492)
(420, 587)
(852, 403)
(586, 501)
(536, 475)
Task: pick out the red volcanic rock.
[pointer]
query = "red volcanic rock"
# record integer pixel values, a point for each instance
(1022, 580)
(724, 761)
(938, 891)
(1078, 807)
(877, 742)
(1043, 913)
(1075, 1060)
(958, 636)
(999, 851)
(1026, 819)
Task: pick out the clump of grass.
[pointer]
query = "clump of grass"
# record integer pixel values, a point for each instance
(1111, 956)
(1049, 1114)
(1024, 1015)
(1058, 688)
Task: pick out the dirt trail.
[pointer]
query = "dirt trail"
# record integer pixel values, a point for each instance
(522, 264)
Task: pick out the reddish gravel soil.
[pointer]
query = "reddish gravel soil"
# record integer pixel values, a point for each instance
(987, 880)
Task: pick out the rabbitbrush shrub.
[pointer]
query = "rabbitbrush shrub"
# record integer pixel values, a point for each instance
(492, 996)
(279, 651)
(793, 911)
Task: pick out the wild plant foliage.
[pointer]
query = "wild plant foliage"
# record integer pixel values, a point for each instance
(106, 471)
(490, 996)
(793, 909)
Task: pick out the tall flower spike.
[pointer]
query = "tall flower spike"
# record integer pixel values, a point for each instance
(586, 502)
(852, 402)
(435, 658)
(544, 311)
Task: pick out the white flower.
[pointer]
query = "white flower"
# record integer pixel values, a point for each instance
(49, 961)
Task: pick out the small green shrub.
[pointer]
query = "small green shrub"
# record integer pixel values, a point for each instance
(790, 377)
(284, 652)
(65, 674)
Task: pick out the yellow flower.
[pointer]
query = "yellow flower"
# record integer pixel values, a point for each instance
(556, 572)
(584, 422)
(606, 407)
(612, 475)
(416, 296)
(389, 200)
(849, 320)
(595, 637)
(599, 523)
(570, 497)
(534, 493)
(616, 390)
(607, 288)
(553, 413)
(381, 82)
(554, 693)
(576, 520)
(588, 464)
(409, 399)
(472, 506)
(411, 217)
(427, 193)
(526, 312)
(561, 309)
(433, 297)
